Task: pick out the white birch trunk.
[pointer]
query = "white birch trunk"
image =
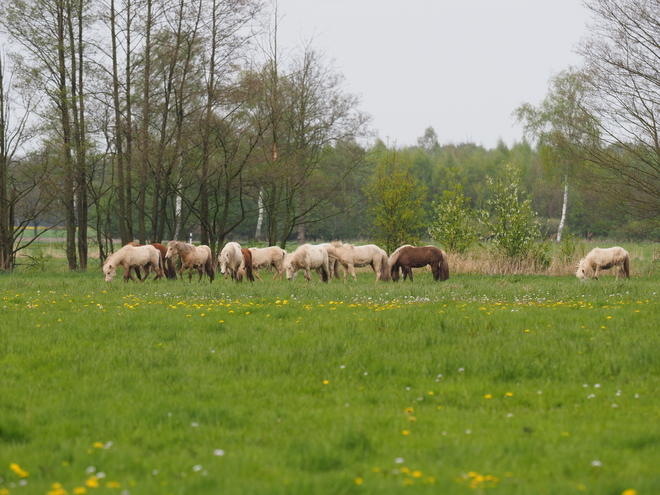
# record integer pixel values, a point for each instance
(260, 218)
(177, 217)
(564, 209)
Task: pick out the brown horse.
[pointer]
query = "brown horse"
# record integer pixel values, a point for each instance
(168, 264)
(408, 257)
(192, 257)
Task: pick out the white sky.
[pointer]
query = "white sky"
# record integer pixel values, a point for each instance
(460, 66)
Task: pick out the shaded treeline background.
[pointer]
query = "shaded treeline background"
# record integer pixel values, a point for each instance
(151, 120)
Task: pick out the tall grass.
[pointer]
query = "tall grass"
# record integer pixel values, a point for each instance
(510, 384)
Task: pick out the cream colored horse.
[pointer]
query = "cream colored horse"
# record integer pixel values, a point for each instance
(603, 259)
(351, 256)
(267, 257)
(230, 259)
(130, 257)
(307, 257)
(192, 257)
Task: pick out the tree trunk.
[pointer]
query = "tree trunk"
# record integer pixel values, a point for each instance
(564, 209)
(68, 194)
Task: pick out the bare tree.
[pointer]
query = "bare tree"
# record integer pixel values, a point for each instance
(562, 128)
(622, 57)
(22, 199)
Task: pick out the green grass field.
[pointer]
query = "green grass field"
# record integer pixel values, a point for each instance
(509, 385)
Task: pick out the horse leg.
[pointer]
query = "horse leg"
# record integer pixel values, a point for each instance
(308, 274)
(352, 268)
(435, 269)
(128, 274)
(255, 272)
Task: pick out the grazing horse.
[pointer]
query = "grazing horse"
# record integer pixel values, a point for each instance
(351, 256)
(230, 259)
(133, 257)
(408, 257)
(267, 257)
(199, 257)
(168, 264)
(604, 259)
(307, 257)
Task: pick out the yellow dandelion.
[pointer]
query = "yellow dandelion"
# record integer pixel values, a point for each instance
(417, 474)
(405, 470)
(359, 481)
(92, 482)
(629, 491)
(406, 432)
(4, 491)
(79, 490)
(113, 484)
(488, 396)
(17, 469)
(409, 410)
(509, 394)
(98, 445)
(325, 382)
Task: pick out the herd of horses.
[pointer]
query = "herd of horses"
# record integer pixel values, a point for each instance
(238, 263)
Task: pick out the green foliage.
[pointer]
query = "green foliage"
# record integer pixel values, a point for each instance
(510, 218)
(396, 203)
(454, 225)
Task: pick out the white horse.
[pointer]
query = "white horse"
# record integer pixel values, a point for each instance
(307, 257)
(133, 257)
(351, 256)
(199, 257)
(266, 257)
(603, 259)
(230, 259)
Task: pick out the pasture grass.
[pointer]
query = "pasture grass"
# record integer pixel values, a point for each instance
(481, 384)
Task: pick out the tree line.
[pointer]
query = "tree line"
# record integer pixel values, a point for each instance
(153, 119)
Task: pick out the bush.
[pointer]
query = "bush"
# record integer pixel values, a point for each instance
(454, 226)
(511, 220)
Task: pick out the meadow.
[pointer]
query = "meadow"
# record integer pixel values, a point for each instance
(503, 384)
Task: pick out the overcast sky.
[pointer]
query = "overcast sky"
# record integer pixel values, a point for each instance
(460, 66)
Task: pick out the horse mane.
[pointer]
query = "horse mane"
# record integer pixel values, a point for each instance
(184, 247)
(397, 252)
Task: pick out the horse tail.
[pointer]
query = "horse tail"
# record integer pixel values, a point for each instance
(247, 257)
(444, 266)
(325, 273)
(334, 267)
(161, 265)
(626, 266)
(208, 267)
(384, 268)
(170, 269)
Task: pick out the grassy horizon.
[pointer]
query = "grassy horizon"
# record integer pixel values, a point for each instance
(481, 384)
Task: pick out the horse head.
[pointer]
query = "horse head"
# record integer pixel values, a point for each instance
(110, 270)
(582, 269)
(288, 266)
(171, 249)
